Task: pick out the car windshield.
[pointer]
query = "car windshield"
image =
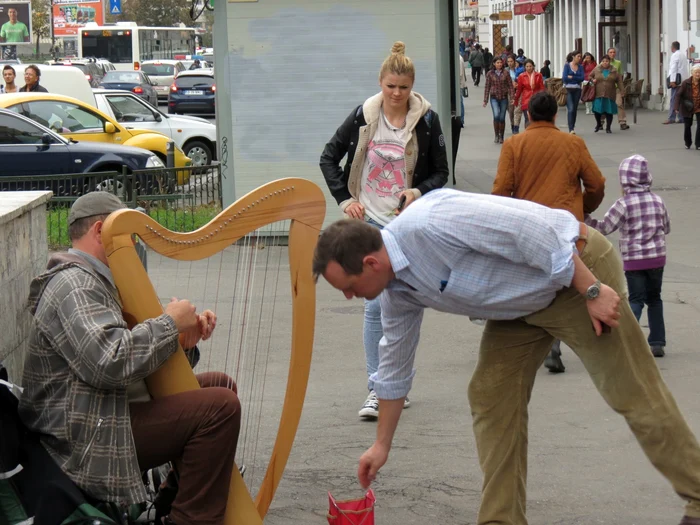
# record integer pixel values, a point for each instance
(81, 67)
(121, 76)
(158, 70)
(191, 81)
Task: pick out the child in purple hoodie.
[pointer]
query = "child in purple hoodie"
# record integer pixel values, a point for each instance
(643, 221)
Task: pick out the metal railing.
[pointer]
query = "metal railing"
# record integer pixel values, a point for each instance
(180, 199)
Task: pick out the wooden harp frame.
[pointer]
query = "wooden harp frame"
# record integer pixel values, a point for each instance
(295, 199)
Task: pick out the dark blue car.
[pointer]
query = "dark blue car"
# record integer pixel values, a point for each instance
(27, 148)
(135, 81)
(193, 92)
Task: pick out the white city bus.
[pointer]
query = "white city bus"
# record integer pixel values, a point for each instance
(126, 44)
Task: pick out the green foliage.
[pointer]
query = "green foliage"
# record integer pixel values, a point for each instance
(41, 21)
(165, 13)
(175, 219)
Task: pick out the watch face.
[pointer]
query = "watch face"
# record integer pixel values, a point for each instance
(593, 291)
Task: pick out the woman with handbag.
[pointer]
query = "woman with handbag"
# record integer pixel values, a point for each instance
(588, 92)
(528, 84)
(395, 154)
(688, 105)
(572, 78)
(607, 83)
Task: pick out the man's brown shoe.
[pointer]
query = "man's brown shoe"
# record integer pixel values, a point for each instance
(687, 520)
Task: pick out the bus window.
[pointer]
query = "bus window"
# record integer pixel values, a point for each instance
(115, 48)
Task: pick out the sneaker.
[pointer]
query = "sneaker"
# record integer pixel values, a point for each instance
(658, 351)
(406, 402)
(370, 409)
(624, 126)
(572, 132)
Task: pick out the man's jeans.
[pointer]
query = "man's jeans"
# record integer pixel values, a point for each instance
(372, 329)
(645, 288)
(673, 115)
(621, 367)
(573, 97)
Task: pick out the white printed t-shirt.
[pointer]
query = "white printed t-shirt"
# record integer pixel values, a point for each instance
(384, 172)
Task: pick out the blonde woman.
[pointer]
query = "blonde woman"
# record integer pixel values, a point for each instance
(395, 154)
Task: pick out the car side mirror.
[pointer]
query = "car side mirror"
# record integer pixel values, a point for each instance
(158, 117)
(46, 139)
(110, 128)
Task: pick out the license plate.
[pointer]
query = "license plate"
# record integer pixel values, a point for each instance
(195, 92)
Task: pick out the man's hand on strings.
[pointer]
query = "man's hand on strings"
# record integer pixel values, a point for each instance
(207, 323)
(370, 463)
(184, 314)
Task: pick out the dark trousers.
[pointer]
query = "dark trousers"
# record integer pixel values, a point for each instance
(599, 120)
(687, 132)
(645, 288)
(476, 75)
(573, 97)
(199, 431)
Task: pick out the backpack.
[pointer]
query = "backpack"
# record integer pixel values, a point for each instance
(33, 488)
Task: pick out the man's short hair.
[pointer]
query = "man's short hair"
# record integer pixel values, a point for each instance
(35, 69)
(8, 67)
(80, 227)
(675, 45)
(543, 107)
(347, 242)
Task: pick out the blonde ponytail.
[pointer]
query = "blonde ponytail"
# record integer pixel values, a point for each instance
(397, 63)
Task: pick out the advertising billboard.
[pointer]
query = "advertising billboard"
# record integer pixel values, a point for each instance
(15, 23)
(70, 17)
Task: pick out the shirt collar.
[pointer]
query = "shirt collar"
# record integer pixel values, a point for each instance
(396, 256)
(96, 264)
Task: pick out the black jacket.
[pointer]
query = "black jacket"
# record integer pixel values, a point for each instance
(35, 89)
(685, 93)
(431, 171)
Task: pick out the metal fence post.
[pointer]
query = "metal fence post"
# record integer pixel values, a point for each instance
(170, 154)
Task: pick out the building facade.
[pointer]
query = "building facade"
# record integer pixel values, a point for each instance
(640, 30)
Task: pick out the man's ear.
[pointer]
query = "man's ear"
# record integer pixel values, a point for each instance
(98, 230)
(372, 261)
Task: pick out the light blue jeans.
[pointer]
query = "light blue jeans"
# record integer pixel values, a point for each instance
(372, 329)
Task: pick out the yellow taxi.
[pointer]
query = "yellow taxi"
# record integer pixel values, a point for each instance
(78, 121)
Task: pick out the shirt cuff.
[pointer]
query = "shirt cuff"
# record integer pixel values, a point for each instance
(563, 266)
(416, 192)
(392, 389)
(347, 202)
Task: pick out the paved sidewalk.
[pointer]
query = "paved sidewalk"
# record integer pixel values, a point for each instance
(585, 466)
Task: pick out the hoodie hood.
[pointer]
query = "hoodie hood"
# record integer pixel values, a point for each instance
(57, 263)
(417, 107)
(635, 176)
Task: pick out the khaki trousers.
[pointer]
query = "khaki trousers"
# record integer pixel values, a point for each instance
(621, 115)
(621, 367)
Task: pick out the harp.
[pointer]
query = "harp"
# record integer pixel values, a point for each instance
(301, 205)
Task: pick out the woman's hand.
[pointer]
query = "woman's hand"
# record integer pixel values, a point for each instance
(410, 197)
(484, 104)
(355, 211)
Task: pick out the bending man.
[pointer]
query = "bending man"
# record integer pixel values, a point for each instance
(536, 273)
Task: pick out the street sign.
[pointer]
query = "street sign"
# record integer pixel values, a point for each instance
(115, 7)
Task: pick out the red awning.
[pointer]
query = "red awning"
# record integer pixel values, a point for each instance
(529, 7)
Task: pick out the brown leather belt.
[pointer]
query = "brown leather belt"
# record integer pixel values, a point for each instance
(582, 238)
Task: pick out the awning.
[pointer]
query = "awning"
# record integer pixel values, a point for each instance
(529, 7)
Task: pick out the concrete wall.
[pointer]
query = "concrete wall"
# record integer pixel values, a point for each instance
(291, 72)
(23, 255)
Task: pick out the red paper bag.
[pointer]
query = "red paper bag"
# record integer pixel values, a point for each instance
(353, 511)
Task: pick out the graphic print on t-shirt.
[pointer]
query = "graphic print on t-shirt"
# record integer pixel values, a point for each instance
(387, 168)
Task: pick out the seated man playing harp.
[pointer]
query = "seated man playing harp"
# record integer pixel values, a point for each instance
(85, 392)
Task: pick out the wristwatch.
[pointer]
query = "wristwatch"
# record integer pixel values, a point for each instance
(593, 290)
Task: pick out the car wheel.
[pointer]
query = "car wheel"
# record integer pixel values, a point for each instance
(198, 152)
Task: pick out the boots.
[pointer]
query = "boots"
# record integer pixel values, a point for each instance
(502, 130)
(496, 131)
(516, 130)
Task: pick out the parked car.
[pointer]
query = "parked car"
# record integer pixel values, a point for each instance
(193, 92)
(27, 148)
(162, 73)
(135, 81)
(196, 136)
(93, 73)
(76, 120)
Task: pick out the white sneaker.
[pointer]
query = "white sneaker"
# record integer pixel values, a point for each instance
(370, 409)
